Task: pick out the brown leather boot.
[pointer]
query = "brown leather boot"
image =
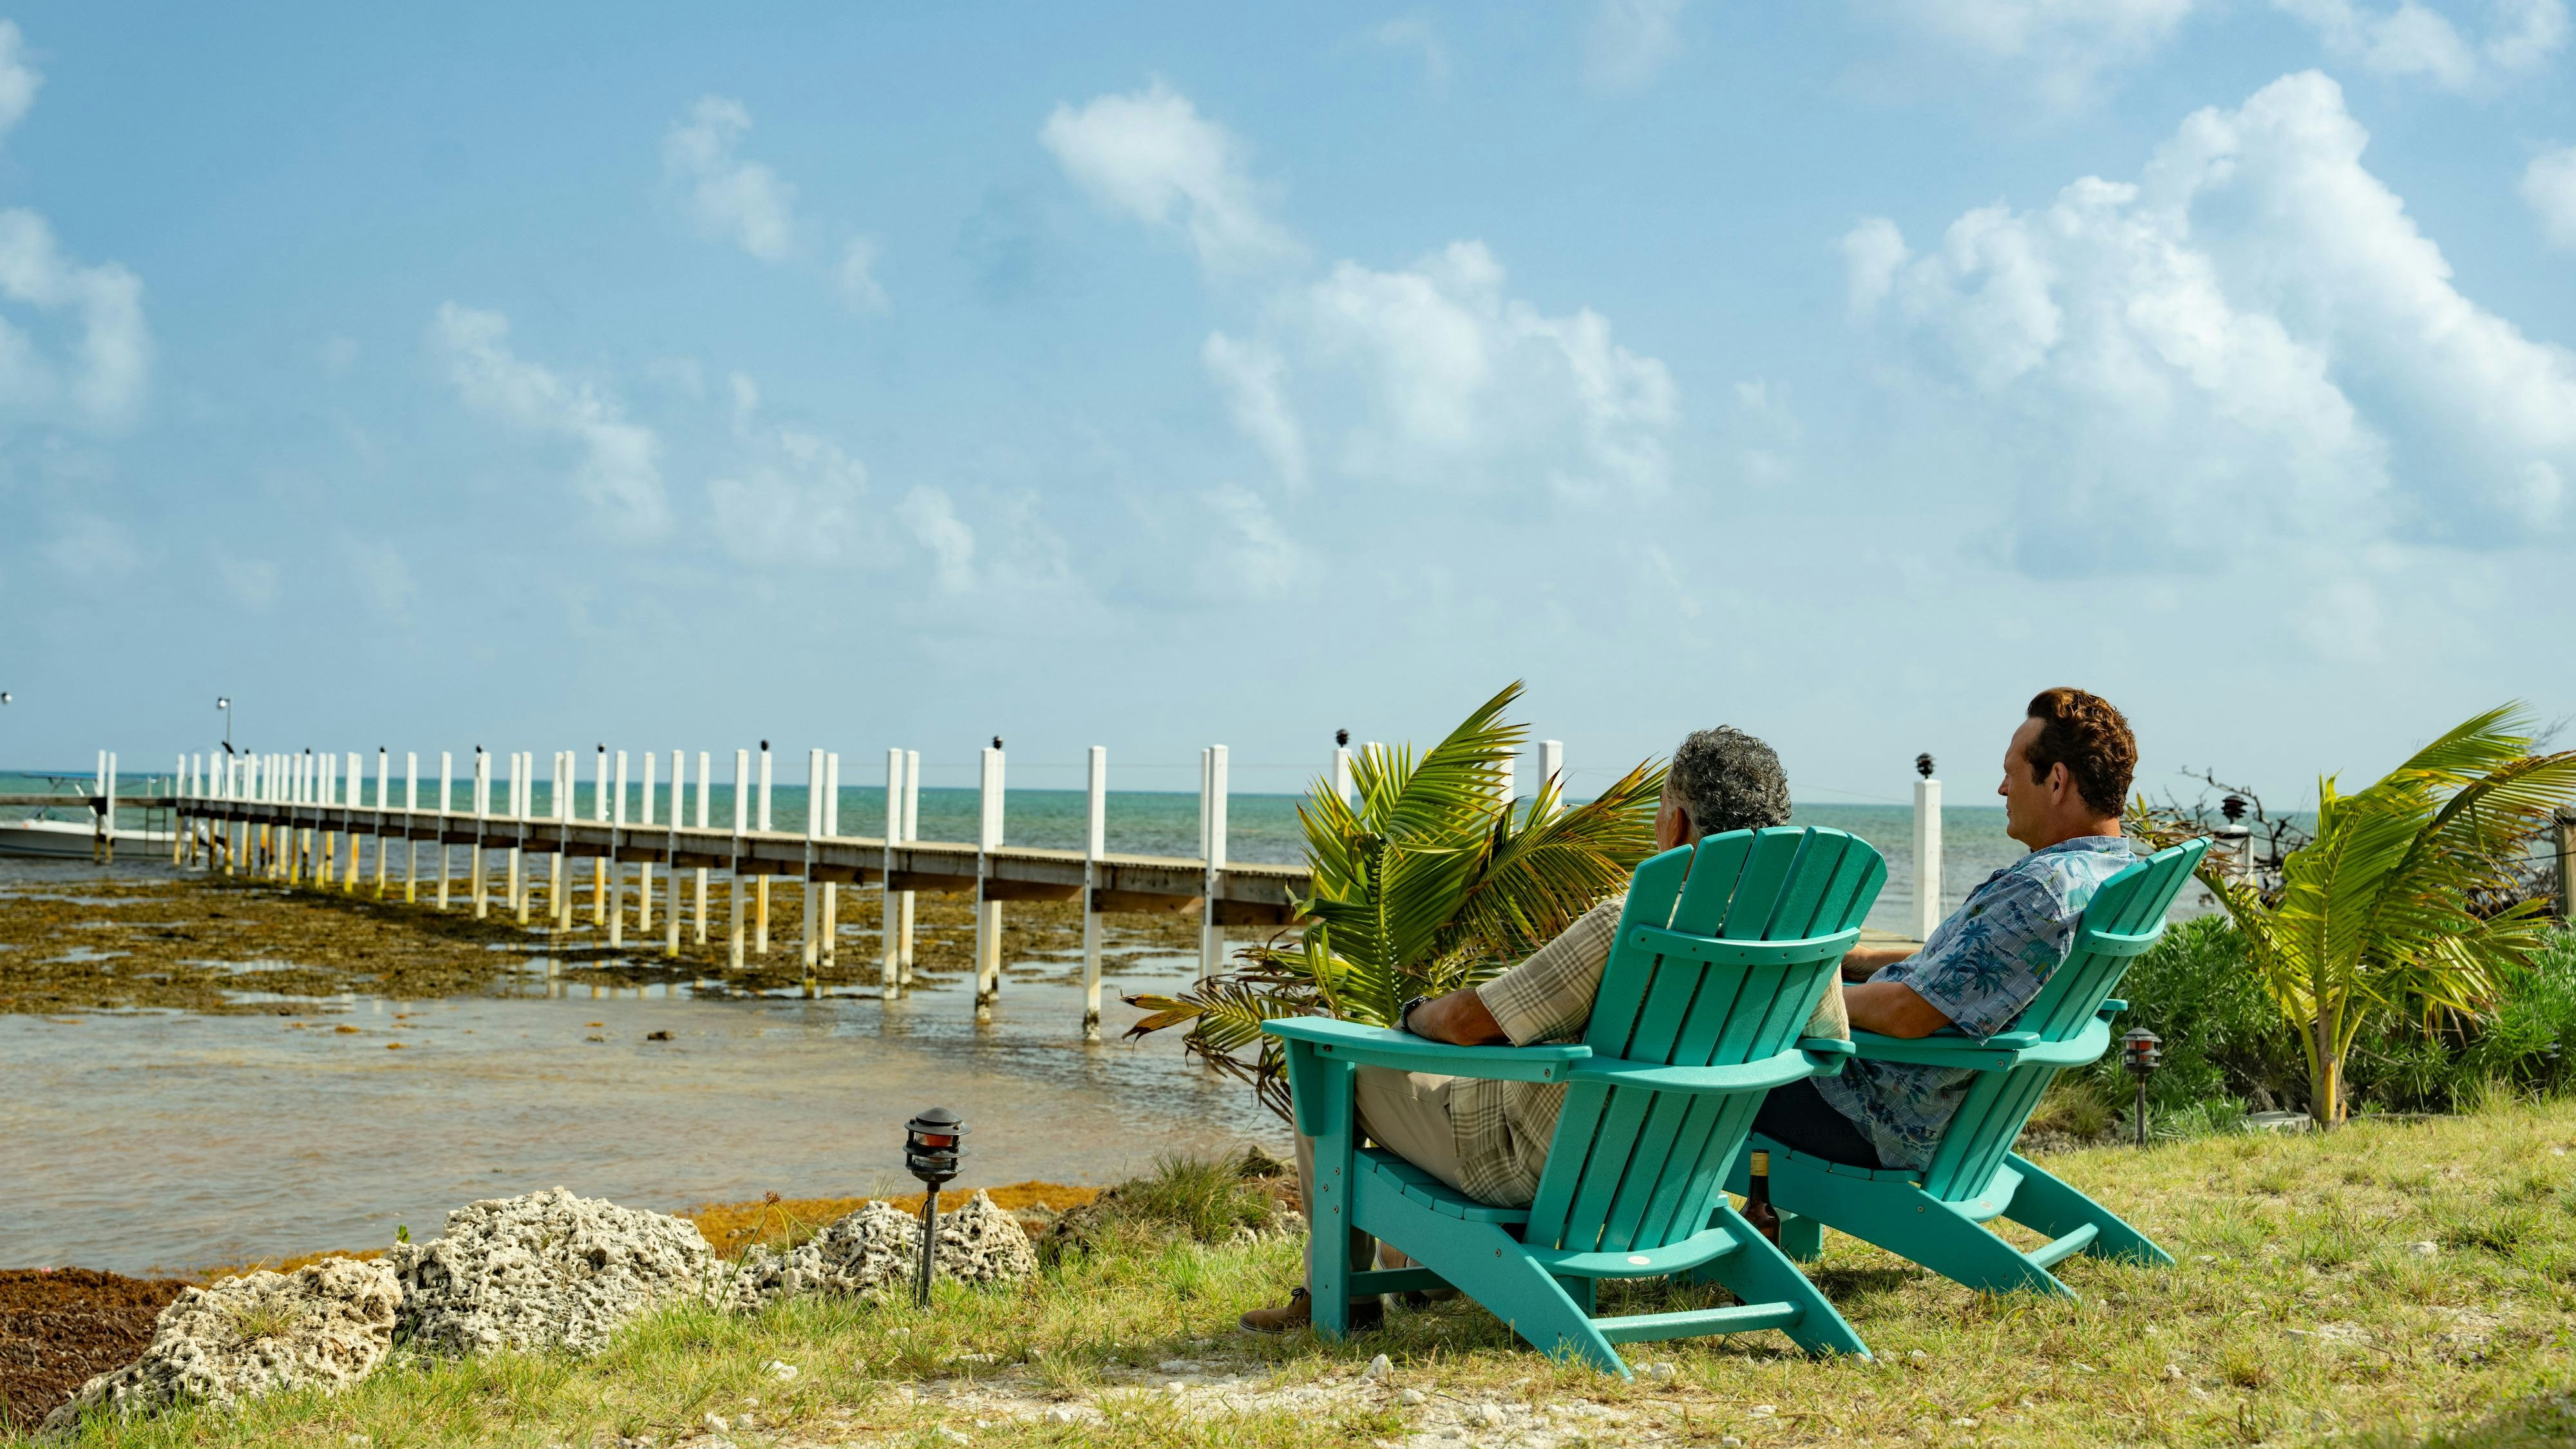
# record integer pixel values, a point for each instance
(1299, 1313)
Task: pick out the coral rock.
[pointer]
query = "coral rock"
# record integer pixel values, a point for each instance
(543, 1271)
(980, 1243)
(323, 1326)
(878, 1248)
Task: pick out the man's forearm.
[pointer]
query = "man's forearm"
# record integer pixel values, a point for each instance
(1891, 1008)
(1459, 1018)
(1862, 962)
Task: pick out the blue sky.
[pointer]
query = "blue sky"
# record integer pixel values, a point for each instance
(531, 376)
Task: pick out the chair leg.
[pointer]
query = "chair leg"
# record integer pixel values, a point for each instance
(1913, 1224)
(1490, 1266)
(1756, 1272)
(2046, 1204)
(1801, 1237)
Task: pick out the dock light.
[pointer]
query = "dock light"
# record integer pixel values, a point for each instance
(224, 702)
(7, 698)
(1342, 738)
(1923, 765)
(2138, 1053)
(930, 1151)
(997, 742)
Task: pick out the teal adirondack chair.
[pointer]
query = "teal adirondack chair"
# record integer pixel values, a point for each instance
(1723, 951)
(1937, 1217)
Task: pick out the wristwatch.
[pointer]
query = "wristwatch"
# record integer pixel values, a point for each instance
(1404, 1014)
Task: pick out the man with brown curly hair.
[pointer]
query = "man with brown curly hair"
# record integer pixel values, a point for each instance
(2066, 775)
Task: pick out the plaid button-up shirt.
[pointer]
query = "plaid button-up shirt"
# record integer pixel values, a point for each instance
(1503, 1128)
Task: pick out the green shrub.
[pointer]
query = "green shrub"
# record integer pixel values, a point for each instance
(2198, 991)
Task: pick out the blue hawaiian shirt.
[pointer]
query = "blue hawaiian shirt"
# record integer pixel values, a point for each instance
(1980, 969)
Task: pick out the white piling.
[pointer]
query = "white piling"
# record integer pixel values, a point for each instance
(886, 909)
(1551, 771)
(760, 903)
(179, 831)
(988, 913)
(644, 868)
(911, 834)
(679, 795)
(559, 904)
(1212, 793)
(616, 869)
(1341, 775)
(812, 947)
(384, 789)
(701, 925)
(1095, 844)
(482, 813)
(1927, 857)
(523, 768)
(411, 804)
(741, 801)
(349, 819)
(599, 865)
(446, 794)
(831, 889)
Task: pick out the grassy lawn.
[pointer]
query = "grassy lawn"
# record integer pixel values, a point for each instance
(2304, 1308)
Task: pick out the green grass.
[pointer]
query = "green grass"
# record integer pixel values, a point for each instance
(2301, 1310)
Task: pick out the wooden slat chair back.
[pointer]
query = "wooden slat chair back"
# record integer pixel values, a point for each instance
(1975, 1176)
(1722, 952)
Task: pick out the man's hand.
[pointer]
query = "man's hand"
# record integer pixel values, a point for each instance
(1862, 962)
(1889, 1008)
(1459, 1018)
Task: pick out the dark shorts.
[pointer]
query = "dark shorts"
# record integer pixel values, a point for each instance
(1799, 1118)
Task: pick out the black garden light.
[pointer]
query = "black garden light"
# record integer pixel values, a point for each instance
(2138, 1053)
(1923, 765)
(931, 1148)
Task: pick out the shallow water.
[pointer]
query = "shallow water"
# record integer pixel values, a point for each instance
(176, 1140)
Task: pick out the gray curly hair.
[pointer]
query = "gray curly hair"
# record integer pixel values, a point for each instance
(1728, 780)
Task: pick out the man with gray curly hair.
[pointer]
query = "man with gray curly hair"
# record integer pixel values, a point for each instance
(1487, 1138)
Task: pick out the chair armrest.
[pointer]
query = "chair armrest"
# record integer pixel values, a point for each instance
(2001, 1052)
(1826, 1054)
(1777, 1070)
(1378, 1046)
(2111, 1006)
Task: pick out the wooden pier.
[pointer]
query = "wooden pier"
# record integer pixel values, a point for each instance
(303, 819)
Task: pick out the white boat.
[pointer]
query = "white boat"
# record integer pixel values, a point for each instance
(70, 839)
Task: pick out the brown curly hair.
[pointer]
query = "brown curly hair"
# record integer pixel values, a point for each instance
(2090, 738)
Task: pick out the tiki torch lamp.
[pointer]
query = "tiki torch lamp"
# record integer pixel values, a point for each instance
(931, 1149)
(2138, 1053)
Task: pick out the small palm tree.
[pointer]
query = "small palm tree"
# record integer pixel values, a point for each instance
(2379, 913)
(1428, 883)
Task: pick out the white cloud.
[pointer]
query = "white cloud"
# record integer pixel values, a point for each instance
(1629, 42)
(2061, 46)
(2169, 368)
(2413, 39)
(936, 526)
(18, 80)
(1769, 430)
(1152, 156)
(1251, 376)
(102, 383)
(796, 499)
(1253, 556)
(857, 278)
(1415, 34)
(742, 201)
(2549, 184)
(1457, 384)
(619, 476)
(92, 550)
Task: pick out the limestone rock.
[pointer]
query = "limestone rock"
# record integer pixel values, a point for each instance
(979, 1243)
(543, 1271)
(860, 1252)
(326, 1325)
(878, 1249)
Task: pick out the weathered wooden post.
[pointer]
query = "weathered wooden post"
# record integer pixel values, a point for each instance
(644, 868)
(886, 909)
(1212, 793)
(384, 793)
(671, 850)
(1927, 849)
(734, 881)
(911, 835)
(988, 913)
(179, 833)
(98, 804)
(1551, 771)
(617, 868)
(1095, 844)
(760, 924)
(599, 864)
(446, 801)
(558, 900)
(701, 923)
(357, 797)
(523, 794)
(2565, 819)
